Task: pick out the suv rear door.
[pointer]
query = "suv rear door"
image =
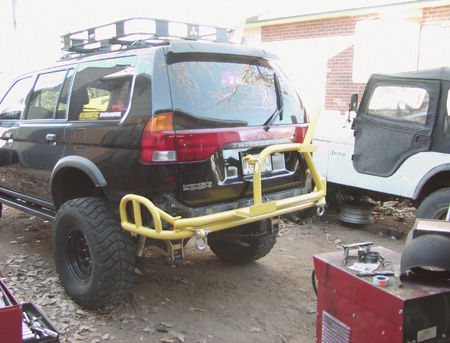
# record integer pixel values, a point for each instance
(222, 105)
(394, 122)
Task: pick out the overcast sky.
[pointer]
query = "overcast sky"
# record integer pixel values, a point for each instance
(35, 40)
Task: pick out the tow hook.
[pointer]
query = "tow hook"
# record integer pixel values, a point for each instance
(320, 208)
(201, 239)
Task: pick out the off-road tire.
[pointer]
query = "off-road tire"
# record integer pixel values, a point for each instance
(243, 244)
(435, 205)
(94, 256)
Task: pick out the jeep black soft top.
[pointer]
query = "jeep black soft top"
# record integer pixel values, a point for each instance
(442, 73)
(182, 124)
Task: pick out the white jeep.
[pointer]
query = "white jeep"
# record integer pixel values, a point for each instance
(398, 144)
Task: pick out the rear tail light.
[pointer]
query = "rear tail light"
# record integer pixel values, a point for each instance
(158, 140)
(160, 143)
(299, 133)
(199, 146)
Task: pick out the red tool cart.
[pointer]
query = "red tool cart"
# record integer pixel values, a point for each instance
(10, 317)
(23, 323)
(378, 307)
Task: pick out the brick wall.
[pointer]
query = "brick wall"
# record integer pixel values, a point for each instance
(330, 27)
(339, 84)
(436, 17)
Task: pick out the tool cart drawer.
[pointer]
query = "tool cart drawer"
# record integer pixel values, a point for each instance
(36, 327)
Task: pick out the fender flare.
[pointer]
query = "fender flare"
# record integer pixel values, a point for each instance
(82, 164)
(436, 170)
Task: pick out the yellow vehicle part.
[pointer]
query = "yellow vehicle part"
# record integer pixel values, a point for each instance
(182, 228)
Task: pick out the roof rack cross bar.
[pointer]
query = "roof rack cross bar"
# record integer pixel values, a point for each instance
(120, 28)
(222, 35)
(193, 32)
(91, 36)
(162, 28)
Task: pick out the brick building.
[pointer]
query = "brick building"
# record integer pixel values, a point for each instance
(330, 52)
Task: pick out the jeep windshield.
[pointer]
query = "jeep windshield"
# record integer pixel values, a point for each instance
(225, 91)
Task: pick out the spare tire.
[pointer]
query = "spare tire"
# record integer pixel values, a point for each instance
(244, 244)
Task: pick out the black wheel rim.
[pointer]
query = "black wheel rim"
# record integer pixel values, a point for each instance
(80, 260)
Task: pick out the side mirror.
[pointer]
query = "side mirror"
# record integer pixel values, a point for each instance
(353, 106)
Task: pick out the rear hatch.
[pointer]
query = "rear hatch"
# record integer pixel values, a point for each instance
(225, 107)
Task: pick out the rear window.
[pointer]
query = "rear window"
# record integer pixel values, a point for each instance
(215, 94)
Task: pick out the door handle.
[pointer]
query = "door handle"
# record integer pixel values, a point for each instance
(8, 135)
(421, 140)
(50, 138)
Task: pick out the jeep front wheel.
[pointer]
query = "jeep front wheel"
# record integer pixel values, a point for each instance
(435, 205)
(244, 244)
(94, 256)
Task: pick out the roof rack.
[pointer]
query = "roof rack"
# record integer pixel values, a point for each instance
(137, 33)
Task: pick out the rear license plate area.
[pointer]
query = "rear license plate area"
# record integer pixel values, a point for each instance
(247, 169)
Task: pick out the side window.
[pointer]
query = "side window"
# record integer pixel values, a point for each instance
(101, 89)
(45, 95)
(64, 97)
(408, 104)
(13, 104)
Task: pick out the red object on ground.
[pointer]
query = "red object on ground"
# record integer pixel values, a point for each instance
(353, 309)
(10, 319)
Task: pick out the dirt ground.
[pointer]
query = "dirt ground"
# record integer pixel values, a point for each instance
(198, 300)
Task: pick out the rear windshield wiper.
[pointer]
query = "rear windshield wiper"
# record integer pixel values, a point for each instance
(279, 111)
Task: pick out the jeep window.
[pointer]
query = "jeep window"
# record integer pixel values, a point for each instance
(408, 104)
(45, 95)
(211, 94)
(447, 118)
(101, 89)
(14, 101)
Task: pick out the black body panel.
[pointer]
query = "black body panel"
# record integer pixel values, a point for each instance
(81, 136)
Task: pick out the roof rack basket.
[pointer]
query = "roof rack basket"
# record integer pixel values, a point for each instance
(137, 33)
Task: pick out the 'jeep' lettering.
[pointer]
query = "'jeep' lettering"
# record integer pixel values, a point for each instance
(338, 153)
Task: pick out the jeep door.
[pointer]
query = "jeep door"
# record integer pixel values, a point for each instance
(441, 136)
(394, 122)
(40, 137)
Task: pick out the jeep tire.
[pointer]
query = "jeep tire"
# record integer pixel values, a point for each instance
(94, 256)
(245, 243)
(435, 205)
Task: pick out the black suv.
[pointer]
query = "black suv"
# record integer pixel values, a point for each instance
(169, 119)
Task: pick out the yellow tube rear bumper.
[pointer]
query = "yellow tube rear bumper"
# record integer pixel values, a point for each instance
(182, 228)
